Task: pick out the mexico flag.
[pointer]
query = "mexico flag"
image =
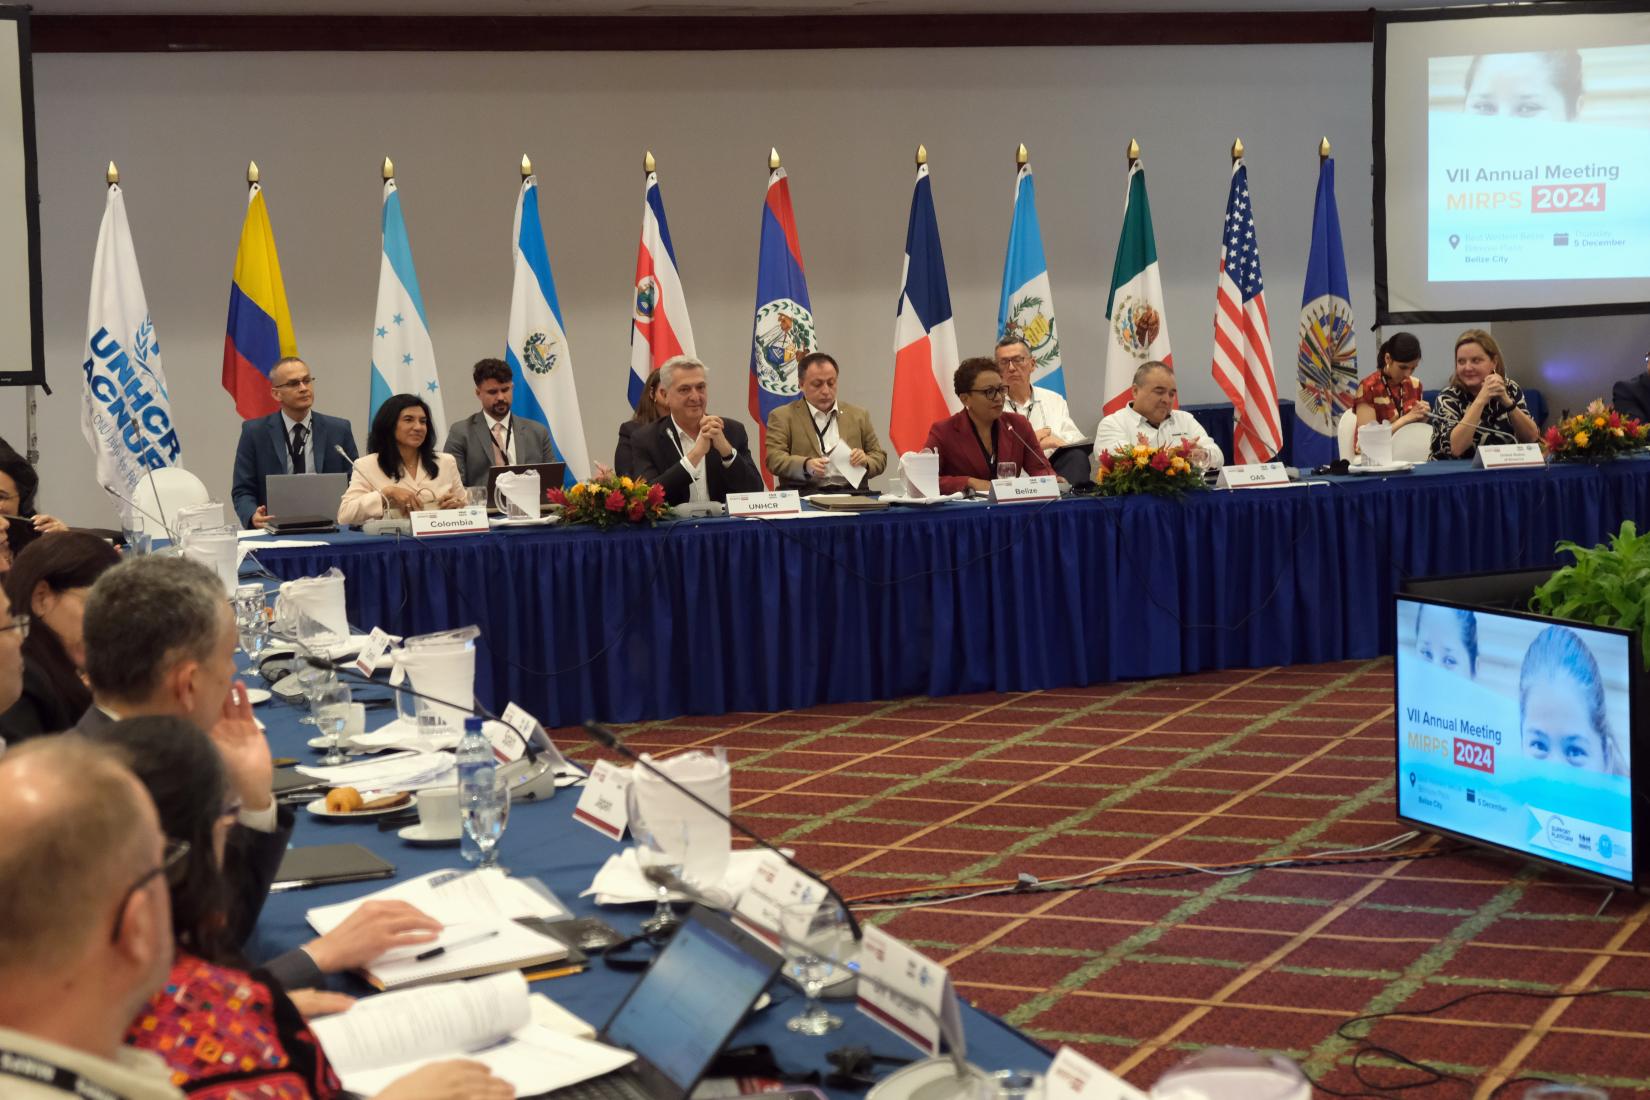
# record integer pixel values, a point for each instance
(1134, 309)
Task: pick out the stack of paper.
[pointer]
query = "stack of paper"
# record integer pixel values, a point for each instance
(620, 881)
(409, 771)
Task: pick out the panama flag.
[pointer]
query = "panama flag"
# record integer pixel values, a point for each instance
(1134, 308)
(1027, 306)
(403, 359)
(659, 325)
(1243, 335)
(925, 340)
(784, 329)
(125, 413)
(1327, 362)
(259, 331)
(540, 365)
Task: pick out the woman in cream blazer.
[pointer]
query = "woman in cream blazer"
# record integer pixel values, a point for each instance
(401, 468)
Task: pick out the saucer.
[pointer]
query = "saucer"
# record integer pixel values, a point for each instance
(415, 834)
(319, 808)
(257, 695)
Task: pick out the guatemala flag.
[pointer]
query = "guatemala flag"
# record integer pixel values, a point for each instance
(1326, 365)
(925, 340)
(659, 327)
(403, 359)
(1027, 306)
(125, 413)
(259, 332)
(784, 330)
(536, 349)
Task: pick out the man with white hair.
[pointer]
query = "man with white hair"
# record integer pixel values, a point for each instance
(695, 456)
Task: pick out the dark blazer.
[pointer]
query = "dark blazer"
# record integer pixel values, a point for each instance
(471, 443)
(658, 461)
(38, 711)
(262, 451)
(961, 457)
(625, 462)
(1631, 396)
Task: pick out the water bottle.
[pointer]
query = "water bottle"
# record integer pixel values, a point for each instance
(476, 768)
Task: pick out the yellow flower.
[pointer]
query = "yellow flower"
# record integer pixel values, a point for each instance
(627, 483)
(1177, 463)
(1141, 452)
(1140, 460)
(1616, 432)
(577, 491)
(1598, 422)
(1582, 438)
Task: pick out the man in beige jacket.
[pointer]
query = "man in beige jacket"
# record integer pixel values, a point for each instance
(810, 438)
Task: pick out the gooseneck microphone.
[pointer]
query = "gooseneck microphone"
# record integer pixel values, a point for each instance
(132, 504)
(607, 739)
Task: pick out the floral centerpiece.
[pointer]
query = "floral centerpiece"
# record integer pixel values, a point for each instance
(1597, 435)
(611, 501)
(1161, 471)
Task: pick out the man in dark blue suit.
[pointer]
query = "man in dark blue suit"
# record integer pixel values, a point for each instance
(1631, 396)
(295, 440)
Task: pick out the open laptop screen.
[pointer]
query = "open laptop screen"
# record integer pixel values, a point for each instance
(693, 996)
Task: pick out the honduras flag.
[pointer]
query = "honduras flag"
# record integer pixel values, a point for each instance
(536, 348)
(925, 338)
(784, 329)
(1027, 306)
(1327, 361)
(659, 327)
(125, 412)
(403, 359)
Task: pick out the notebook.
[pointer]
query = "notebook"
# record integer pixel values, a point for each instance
(321, 864)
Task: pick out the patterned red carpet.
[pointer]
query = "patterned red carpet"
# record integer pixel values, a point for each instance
(1217, 769)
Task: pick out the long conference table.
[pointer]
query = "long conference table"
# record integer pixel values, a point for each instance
(720, 615)
(543, 840)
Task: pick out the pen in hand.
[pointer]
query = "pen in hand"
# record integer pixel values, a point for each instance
(436, 952)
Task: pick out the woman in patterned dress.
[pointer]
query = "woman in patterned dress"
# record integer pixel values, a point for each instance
(1481, 405)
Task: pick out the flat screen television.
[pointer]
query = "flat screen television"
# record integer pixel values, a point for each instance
(1515, 731)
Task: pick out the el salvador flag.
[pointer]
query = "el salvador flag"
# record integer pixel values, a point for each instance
(403, 358)
(1326, 363)
(536, 348)
(784, 329)
(1027, 305)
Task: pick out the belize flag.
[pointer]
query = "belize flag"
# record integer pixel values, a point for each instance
(784, 329)
(536, 347)
(403, 358)
(925, 340)
(659, 325)
(1326, 364)
(259, 332)
(1026, 309)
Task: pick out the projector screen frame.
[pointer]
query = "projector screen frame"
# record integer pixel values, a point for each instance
(35, 374)
(1384, 315)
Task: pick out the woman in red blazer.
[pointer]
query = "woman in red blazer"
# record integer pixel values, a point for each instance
(972, 444)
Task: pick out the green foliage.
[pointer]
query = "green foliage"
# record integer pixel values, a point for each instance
(1608, 585)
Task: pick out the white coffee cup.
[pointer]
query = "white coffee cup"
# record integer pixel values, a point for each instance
(438, 813)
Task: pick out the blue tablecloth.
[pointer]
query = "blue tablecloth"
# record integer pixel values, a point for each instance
(712, 616)
(543, 840)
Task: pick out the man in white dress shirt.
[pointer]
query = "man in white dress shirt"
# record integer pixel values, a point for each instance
(698, 457)
(1152, 417)
(1046, 409)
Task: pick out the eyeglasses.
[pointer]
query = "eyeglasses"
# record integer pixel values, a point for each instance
(1014, 360)
(19, 623)
(297, 384)
(995, 393)
(171, 865)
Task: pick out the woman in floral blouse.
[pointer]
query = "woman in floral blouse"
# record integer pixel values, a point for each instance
(1392, 395)
(1481, 405)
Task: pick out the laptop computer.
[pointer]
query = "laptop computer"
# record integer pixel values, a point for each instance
(551, 476)
(304, 494)
(680, 1013)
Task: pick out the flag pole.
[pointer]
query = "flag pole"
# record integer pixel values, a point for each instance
(526, 166)
(773, 160)
(1323, 149)
(922, 155)
(387, 169)
(1134, 152)
(649, 165)
(252, 173)
(1020, 158)
(1237, 150)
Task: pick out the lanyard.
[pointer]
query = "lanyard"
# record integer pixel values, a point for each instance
(1396, 399)
(509, 434)
(820, 432)
(1030, 406)
(29, 1068)
(989, 452)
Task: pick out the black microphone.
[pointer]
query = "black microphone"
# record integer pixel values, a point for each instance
(607, 739)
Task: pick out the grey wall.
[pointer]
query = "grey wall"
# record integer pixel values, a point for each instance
(183, 127)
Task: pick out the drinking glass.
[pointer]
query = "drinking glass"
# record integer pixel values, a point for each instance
(816, 937)
(1007, 471)
(475, 496)
(660, 842)
(485, 815)
(251, 620)
(331, 703)
(313, 681)
(138, 538)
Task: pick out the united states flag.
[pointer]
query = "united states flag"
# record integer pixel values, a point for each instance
(1243, 339)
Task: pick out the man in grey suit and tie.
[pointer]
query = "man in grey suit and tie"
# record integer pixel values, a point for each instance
(495, 436)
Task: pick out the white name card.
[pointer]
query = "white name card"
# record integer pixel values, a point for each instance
(602, 805)
(1014, 489)
(775, 885)
(1505, 456)
(1260, 475)
(907, 993)
(1074, 1077)
(780, 502)
(514, 747)
(378, 644)
(451, 521)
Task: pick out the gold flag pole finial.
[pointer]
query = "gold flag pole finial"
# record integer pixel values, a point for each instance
(648, 163)
(387, 169)
(1237, 149)
(1021, 156)
(112, 174)
(252, 171)
(1134, 150)
(922, 155)
(1323, 149)
(773, 159)
(526, 166)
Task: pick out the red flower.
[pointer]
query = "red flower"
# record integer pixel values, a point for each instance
(636, 510)
(615, 501)
(1186, 447)
(1615, 419)
(1160, 460)
(556, 496)
(1555, 439)
(1106, 460)
(655, 494)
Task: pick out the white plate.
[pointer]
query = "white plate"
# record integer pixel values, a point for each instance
(348, 746)
(257, 695)
(319, 809)
(415, 834)
(928, 1079)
